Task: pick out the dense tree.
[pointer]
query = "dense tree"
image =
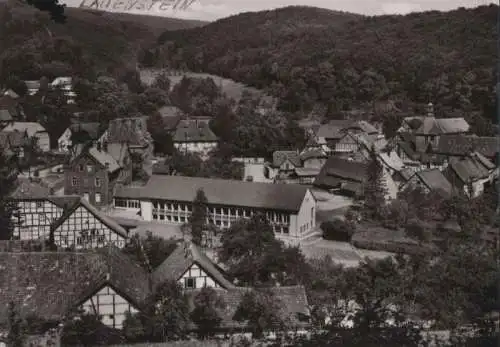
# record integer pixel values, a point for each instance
(150, 250)
(164, 318)
(255, 257)
(205, 312)
(16, 333)
(88, 330)
(374, 189)
(162, 140)
(53, 7)
(198, 218)
(8, 176)
(410, 58)
(261, 310)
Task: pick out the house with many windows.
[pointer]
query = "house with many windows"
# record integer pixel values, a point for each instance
(93, 171)
(194, 136)
(34, 131)
(290, 208)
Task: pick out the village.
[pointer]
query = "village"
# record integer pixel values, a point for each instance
(85, 203)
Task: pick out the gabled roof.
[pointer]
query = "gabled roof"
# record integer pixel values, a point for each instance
(435, 181)
(392, 160)
(312, 153)
(31, 128)
(49, 284)
(133, 131)
(436, 126)
(364, 126)
(194, 131)
(170, 111)
(333, 129)
(9, 140)
(104, 158)
(342, 169)
(6, 115)
(463, 144)
(473, 167)
(28, 189)
(92, 129)
(108, 221)
(286, 197)
(279, 157)
(291, 300)
(182, 258)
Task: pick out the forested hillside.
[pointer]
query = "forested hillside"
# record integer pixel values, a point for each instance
(343, 61)
(32, 45)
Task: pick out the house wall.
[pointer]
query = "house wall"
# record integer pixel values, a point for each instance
(197, 277)
(110, 306)
(87, 177)
(346, 144)
(43, 141)
(287, 166)
(305, 220)
(83, 230)
(196, 147)
(178, 213)
(64, 141)
(35, 218)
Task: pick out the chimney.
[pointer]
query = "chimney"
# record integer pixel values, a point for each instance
(105, 146)
(98, 145)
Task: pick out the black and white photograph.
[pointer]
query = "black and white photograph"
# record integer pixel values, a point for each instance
(249, 173)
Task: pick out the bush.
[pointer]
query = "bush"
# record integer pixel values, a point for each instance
(337, 230)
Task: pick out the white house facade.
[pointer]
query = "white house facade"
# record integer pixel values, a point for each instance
(290, 208)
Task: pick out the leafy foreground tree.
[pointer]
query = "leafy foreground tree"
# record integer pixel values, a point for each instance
(204, 314)
(261, 310)
(88, 330)
(165, 317)
(374, 189)
(198, 218)
(149, 251)
(53, 7)
(8, 177)
(255, 257)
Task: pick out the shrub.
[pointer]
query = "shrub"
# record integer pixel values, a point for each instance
(337, 230)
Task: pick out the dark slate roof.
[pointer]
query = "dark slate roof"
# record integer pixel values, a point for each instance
(292, 302)
(436, 181)
(13, 139)
(312, 153)
(333, 129)
(182, 258)
(49, 284)
(337, 170)
(279, 157)
(286, 197)
(472, 167)
(129, 130)
(463, 144)
(29, 189)
(92, 129)
(108, 221)
(194, 131)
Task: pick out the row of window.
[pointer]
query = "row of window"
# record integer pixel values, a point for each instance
(127, 203)
(97, 197)
(75, 181)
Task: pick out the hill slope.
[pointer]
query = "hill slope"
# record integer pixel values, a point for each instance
(88, 40)
(308, 55)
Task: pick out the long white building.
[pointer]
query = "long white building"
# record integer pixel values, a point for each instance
(290, 208)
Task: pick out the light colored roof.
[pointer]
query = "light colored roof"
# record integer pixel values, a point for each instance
(5, 115)
(61, 81)
(28, 189)
(436, 126)
(473, 167)
(301, 171)
(286, 197)
(392, 160)
(104, 158)
(11, 93)
(31, 128)
(182, 258)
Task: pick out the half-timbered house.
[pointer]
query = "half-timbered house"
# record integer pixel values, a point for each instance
(191, 268)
